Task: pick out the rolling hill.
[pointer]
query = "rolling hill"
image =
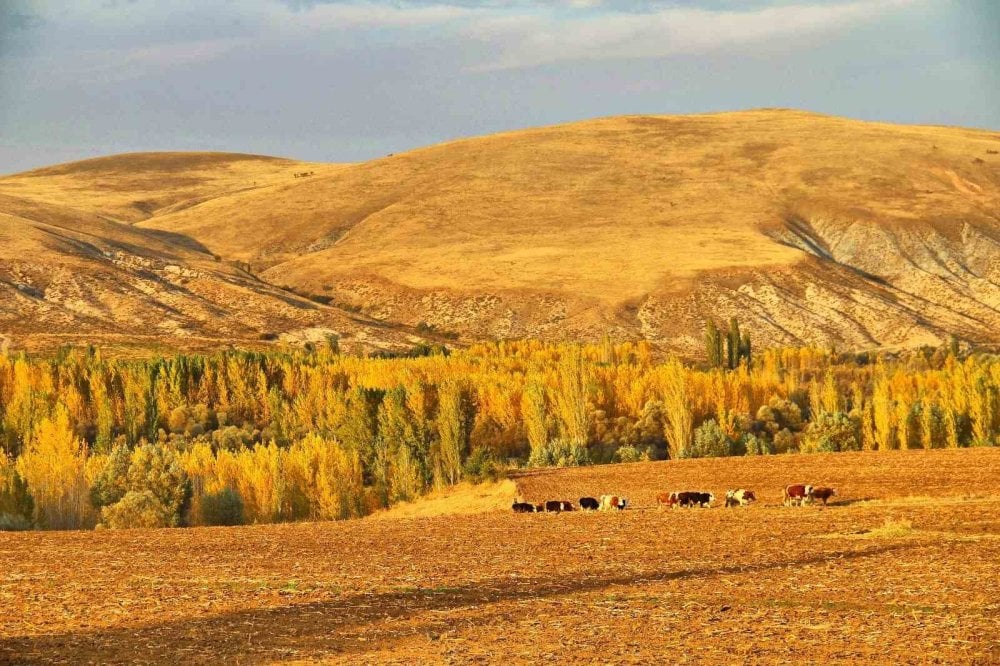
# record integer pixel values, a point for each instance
(809, 228)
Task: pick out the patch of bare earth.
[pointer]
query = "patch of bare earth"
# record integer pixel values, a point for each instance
(764, 584)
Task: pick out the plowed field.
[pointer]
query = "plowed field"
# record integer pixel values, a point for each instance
(903, 568)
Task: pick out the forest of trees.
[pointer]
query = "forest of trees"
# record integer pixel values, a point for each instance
(244, 437)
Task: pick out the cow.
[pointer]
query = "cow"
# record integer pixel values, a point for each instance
(798, 494)
(666, 500)
(589, 503)
(740, 497)
(523, 507)
(558, 506)
(687, 498)
(696, 498)
(611, 502)
(823, 494)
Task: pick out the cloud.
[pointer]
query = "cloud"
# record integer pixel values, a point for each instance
(521, 40)
(519, 34)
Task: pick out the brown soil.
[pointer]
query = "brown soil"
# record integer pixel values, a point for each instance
(903, 568)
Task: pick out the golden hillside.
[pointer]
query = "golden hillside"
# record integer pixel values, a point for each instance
(71, 271)
(809, 228)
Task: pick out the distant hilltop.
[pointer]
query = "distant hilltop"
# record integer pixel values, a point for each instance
(807, 228)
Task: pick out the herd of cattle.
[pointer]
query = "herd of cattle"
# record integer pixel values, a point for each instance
(794, 495)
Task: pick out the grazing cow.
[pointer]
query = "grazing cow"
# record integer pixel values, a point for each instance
(589, 503)
(666, 500)
(798, 494)
(824, 494)
(558, 506)
(740, 497)
(611, 502)
(686, 498)
(523, 507)
(700, 499)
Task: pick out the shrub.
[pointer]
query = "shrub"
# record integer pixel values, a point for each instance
(15, 500)
(710, 441)
(110, 485)
(629, 453)
(136, 510)
(12, 522)
(559, 453)
(780, 414)
(785, 441)
(222, 508)
(157, 470)
(149, 469)
(755, 445)
(830, 432)
(481, 466)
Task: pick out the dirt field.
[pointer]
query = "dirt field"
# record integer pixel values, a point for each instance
(903, 568)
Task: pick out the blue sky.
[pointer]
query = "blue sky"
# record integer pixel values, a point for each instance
(347, 81)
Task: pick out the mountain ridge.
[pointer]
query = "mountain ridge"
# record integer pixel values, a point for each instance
(808, 228)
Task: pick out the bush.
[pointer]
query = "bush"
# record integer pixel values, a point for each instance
(149, 469)
(110, 485)
(629, 454)
(559, 453)
(156, 469)
(12, 522)
(785, 441)
(755, 445)
(829, 433)
(710, 441)
(222, 508)
(481, 465)
(136, 510)
(15, 500)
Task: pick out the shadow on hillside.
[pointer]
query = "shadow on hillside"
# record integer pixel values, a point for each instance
(176, 240)
(334, 627)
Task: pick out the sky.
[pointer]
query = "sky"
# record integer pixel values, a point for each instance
(344, 81)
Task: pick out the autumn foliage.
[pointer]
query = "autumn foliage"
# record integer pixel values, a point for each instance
(315, 435)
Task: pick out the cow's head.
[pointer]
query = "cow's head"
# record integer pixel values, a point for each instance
(749, 496)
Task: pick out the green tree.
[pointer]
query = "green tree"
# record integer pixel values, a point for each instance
(713, 344)
(733, 342)
(710, 441)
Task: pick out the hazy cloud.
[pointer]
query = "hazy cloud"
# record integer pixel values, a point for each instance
(352, 79)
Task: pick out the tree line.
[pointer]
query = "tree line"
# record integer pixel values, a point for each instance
(243, 437)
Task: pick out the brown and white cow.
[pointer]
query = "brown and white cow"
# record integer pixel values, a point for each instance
(666, 500)
(824, 494)
(798, 494)
(740, 497)
(612, 502)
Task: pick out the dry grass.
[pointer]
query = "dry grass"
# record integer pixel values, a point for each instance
(751, 585)
(137, 186)
(809, 228)
(460, 500)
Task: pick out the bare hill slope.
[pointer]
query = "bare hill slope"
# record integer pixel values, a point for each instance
(68, 276)
(809, 228)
